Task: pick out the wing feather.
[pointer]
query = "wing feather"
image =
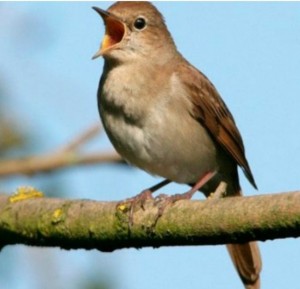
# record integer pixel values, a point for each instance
(211, 111)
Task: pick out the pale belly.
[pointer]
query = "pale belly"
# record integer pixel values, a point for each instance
(171, 147)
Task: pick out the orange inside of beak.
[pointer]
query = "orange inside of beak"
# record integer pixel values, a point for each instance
(114, 33)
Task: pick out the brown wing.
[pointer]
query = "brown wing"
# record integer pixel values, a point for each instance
(213, 113)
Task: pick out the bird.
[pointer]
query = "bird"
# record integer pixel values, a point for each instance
(165, 117)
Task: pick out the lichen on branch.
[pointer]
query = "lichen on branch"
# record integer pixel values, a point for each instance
(73, 224)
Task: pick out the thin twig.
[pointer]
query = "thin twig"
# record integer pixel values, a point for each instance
(81, 139)
(63, 157)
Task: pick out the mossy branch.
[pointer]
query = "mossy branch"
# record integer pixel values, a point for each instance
(34, 220)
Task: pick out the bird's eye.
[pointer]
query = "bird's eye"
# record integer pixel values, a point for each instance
(140, 23)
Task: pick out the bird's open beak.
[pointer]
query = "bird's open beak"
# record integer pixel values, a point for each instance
(114, 31)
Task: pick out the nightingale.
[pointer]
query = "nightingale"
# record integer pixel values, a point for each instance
(165, 116)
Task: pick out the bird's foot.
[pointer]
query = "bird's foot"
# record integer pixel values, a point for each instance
(169, 200)
(139, 200)
(163, 201)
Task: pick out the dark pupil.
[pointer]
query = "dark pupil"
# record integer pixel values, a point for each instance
(140, 23)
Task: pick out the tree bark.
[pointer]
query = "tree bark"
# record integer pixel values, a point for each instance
(28, 218)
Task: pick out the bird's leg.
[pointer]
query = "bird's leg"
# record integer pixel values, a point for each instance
(146, 194)
(141, 198)
(167, 200)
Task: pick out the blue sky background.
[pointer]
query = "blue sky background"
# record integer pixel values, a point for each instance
(250, 51)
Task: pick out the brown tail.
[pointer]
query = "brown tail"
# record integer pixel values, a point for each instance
(246, 259)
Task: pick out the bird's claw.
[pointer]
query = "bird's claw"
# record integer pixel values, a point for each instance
(134, 202)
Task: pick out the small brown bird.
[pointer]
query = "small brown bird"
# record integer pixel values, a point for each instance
(165, 117)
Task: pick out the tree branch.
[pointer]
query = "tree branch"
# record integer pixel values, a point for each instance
(28, 218)
(82, 138)
(66, 156)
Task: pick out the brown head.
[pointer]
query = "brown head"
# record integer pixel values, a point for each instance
(134, 30)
